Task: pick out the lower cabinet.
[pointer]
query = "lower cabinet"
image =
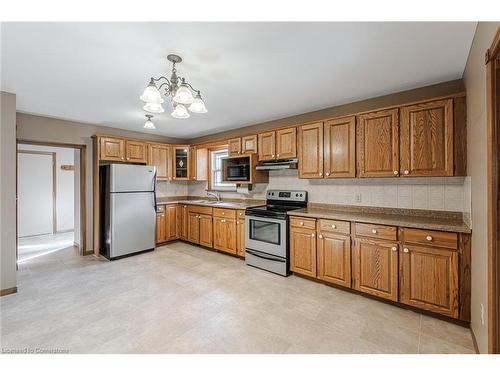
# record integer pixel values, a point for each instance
(334, 258)
(160, 226)
(193, 227)
(240, 233)
(182, 221)
(375, 268)
(166, 223)
(199, 225)
(225, 234)
(303, 246)
(205, 222)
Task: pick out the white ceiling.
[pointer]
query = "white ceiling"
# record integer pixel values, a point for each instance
(247, 72)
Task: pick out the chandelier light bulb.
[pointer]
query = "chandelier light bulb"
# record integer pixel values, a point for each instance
(153, 108)
(151, 94)
(198, 106)
(180, 112)
(149, 124)
(183, 95)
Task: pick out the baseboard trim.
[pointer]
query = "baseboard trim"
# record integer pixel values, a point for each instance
(6, 292)
(474, 341)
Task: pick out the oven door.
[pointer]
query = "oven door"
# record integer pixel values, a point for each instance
(266, 235)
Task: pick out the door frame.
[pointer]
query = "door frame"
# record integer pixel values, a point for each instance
(493, 182)
(54, 184)
(83, 187)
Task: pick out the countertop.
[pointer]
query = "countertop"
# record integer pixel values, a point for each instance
(433, 221)
(231, 204)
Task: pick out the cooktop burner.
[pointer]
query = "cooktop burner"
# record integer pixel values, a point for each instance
(279, 202)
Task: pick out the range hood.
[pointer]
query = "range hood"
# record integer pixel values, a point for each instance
(277, 164)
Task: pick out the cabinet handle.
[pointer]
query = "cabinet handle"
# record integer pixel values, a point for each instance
(223, 213)
(277, 155)
(374, 231)
(237, 222)
(396, 173)
(428, 238)
(223, 220)
(313, 234)
(184, 206)
(328, 173)
(241, 213)
(321, 173)
(301, 223)
(394, 248)
(272, 155)
(123, 158)
(406, 171)
(406, 250)
(320, 236)
(334, 226)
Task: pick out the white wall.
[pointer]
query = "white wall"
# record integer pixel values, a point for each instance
(65, 185)
(7, 190)
(435, 193)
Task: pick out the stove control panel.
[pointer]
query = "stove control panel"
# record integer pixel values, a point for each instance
(287, 195)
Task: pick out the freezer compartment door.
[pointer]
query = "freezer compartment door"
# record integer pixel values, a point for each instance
(127, 178)
(132, 223)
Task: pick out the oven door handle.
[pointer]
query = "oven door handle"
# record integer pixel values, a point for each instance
(264, 257)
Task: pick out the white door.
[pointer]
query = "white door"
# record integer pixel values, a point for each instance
(35, 189)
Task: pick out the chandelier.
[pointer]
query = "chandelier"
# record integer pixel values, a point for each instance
(180, 92)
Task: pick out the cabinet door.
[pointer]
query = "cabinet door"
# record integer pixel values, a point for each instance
(205, 230)
(340, 147)
(334, 258)
(234, 146)
(157, 156)
(219, 233)
(182, 222)
(240, 233)
(267, 144)
(136, 152)
(112, 149)
(378, 144)
(310, 142)
(171, 222)
(160, 228)
(181, 162)
(303, 251)
(286, 143)
(193, 227)
(231, 235)
(192, 163)
(375, 267)
(249, 144)
(427, 139)
(201, 164)
(429, 279)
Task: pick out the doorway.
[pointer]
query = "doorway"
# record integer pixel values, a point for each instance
(50, 201)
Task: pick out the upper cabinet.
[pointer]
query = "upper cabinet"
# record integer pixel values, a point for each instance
(199, 163)
(427, 139)
(160, 156)
(234, 146)
(279, 144)
(310, 142)
(267, 146)
(340, 147)
(249, 144)
(181, 162)
(118, 149)
(135, 152)
(378, 144)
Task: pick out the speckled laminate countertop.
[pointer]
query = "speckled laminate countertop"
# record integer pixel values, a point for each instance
(232, 204)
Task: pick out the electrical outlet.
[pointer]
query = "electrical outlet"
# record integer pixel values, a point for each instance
(358, 198)
(482, 314)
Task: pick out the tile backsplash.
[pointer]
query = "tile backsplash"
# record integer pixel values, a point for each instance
(428, 193)
(171, 188)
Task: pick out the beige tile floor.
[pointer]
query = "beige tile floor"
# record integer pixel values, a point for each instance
(38, 246)
(183, 299)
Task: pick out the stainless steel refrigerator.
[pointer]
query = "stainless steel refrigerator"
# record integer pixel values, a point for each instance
(128, 209)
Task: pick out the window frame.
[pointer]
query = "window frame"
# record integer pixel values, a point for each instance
(226, 187)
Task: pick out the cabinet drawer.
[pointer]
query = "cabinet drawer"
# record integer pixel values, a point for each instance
(376, 231)
(302, 222)
(200, 209)
(430, 238)
(160, 208)
(335, 226)
(224, 212)
(240, 214)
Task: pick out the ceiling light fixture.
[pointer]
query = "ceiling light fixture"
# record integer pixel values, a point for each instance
(149, 124)
(180, 91)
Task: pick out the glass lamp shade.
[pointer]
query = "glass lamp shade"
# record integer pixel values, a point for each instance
(180, 112)
(149, 125)
(183, 95)
(153, 108)
(151, 94)
(198, 106)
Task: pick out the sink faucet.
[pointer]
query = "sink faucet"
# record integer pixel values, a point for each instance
(216, 195)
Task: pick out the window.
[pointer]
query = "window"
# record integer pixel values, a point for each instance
(216, 172)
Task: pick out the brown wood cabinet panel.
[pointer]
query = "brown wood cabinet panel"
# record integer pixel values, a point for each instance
(303, 251)
(231, 235)
(135, 152)
(201, 164)
(460, 136)
(310, 143)
(171, 222)
(182, 221)
(234, 146)
(267, 146)
(334, 258)
(334, 226)
(378, 144)
(427, 139)
(429, 279)
(377, 231)
(249, 144)
(224, 213)
(193, 227)
(240, 233)
(225, 234)
(158, 157)
(205, 222)
(112, 149)
(161, 235)
(181, 156)
(302, 222)
(340, 147)
(286, 143)
(375, 267)
(430, 238)
(192, 169)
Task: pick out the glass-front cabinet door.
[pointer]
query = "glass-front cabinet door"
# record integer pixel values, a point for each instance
(181, 162)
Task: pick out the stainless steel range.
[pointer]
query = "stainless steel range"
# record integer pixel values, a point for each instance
(266, 231)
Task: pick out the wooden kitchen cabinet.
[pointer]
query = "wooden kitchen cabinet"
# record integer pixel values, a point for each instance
(166, 223)
(267, 146)
(303, 247)
(427, 139)
(429, 271)
(201, 164)
(249, 144)
(234, 146)
(224, 221)
(205, 222)
(340, 147)
(193, 227)
(240, 233)
(286, 143)
(310, 144)
(181, 157)
(182, 221)
(112, 149)
(375, 268)
(199, 225)
(161, 226)
(158, 156)
(135, 152)
(334, 257)
(378, 144)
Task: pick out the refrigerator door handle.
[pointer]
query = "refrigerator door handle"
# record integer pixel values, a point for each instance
(154, 192)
